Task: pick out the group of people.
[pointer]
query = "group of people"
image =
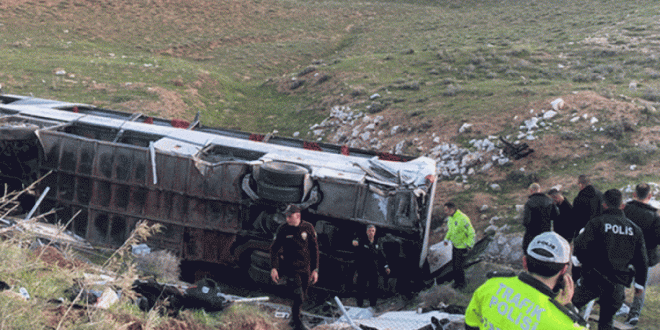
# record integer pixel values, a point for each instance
(613, 245)
(295, 257)
(606, 244)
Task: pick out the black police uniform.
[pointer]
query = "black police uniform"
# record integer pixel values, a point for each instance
(299, 253)
(370, 262)
(612, 252)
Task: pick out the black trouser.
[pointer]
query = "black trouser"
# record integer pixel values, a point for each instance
(297, 283)
(610, 297)
(367, 286)
(457, 263)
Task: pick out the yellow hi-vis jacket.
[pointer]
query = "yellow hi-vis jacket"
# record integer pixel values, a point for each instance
(514, 303)
(460, 231)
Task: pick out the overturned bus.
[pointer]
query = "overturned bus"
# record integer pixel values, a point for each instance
(218, 193)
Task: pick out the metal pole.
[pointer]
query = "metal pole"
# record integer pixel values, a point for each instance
(343, 311)
(36, 205)
(152, 152)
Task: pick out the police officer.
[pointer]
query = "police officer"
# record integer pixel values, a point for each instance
(461, 234)
(646, 217)
(295, 243)
(528, 301)
(370, 262)
(612, 252)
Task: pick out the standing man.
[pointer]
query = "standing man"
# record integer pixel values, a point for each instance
(587, 204)
(563, 224)
(369, 263)
(612, 252)
(539, 298)
(299, 259)
(646, 217)
(538, 214)
(461, 234)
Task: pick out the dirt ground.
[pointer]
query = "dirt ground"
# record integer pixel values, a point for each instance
(555, 147)
(548, 149)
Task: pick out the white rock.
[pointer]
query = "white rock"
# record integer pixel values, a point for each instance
(470, 159)
(398, 149)
(374, 96)
(557, 104)
(465, 128)
(593, 120)
(495, 187)
(532, 123)
(491, 228)
(296, 134)
(574, 119)
(502, 161)
(395, 130)
(549, 114)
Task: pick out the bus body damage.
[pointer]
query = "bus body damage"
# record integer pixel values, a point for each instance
(218, 193)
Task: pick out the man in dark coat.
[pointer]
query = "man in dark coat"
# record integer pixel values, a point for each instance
(370, 262)
(563, 224)
(587, 204)
(295, 253)
(646, 217)
(612, 252)
(538, 214)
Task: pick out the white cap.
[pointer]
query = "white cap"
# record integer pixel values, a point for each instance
(550, 247)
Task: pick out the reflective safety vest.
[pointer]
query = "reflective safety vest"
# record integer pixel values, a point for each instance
(521, 302)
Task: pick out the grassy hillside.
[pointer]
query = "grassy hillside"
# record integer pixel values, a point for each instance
(265, 65)
(233, 60)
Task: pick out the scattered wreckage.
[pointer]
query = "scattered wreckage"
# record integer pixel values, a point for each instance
(516, 151)
(218, 193)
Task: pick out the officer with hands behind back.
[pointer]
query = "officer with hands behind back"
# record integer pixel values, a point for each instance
(539, 298)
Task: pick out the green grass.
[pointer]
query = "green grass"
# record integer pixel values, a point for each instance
(491, 45)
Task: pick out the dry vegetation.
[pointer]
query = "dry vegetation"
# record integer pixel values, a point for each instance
(437, 65)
